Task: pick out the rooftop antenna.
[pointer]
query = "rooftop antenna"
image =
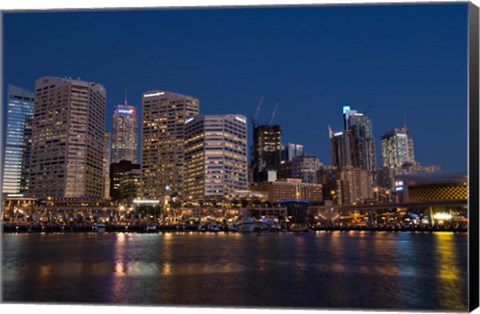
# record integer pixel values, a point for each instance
(125, 95)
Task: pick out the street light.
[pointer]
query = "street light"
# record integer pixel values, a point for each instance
(332, 193)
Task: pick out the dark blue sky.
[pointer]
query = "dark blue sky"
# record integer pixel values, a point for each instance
(395, 60)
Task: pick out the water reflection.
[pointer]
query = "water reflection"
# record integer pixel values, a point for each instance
(329, 269)
(450, 282)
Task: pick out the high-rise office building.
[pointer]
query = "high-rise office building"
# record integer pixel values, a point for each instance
(163, 141)
(20, 104)
(355, 146)
(363, 141)
(106, 166)
(397, 148)
(285, 170)
(68, 139)
(341, 149)
(124, 180)
(267, 150)
(124, 133)
(327, 176)
(290, 151)
(354, 186)
(305, 167)
(215, 155)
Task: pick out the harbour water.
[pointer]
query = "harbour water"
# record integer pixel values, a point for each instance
(339, 269)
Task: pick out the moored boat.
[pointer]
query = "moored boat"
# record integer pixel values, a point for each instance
(297, 227)
(100, 227)
(246, 224)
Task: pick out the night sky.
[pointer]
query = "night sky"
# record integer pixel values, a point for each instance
(394, 60)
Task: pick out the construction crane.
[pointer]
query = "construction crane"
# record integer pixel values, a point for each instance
(274, 112)
(365, 111)
(254, 120)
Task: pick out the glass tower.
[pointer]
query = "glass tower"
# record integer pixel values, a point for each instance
(363, 141)
(20, 105)
(397, 148)
(124, 134)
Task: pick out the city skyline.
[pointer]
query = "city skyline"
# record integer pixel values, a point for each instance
(429, 78)
(312, 156)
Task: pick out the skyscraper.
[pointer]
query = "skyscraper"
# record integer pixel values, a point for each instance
(291, 150)
(163, 140)
(398, 157)
(305, 167)
(341, 148)
(19, 115)
(124, 180)
(106, 166)
(355, 146)
(397, 148)
(363, 141)
(124, 133)
(68, 139)
(267, 150)
(215, 155)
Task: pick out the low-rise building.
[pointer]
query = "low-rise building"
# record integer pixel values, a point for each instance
(289, 189)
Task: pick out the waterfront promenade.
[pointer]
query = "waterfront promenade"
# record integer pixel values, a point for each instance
(182, 227)
(447, 215)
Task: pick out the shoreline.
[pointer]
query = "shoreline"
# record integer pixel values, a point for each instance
(159, 228)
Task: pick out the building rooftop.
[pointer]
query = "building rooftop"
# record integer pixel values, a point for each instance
(435, 177)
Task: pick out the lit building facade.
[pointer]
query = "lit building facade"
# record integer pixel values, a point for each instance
(106, 166)
(124, 180)
(285, 170)
(288, 189)
(305, 167)
(354, 146)
(386, 175)
(163, 141)
(68, 139)
(363, 143)
(124, 133)
(267, 151)
(291, 150)
(327, 176)
(431, 187)
(341, 150)
(215, 156)
(354, 186)
(397, 148)
(20, 104)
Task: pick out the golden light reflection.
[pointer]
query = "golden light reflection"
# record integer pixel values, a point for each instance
(445, 251)
(450, 282)
(45, 271)
(228, 268)
(120, 269)
(363, 269)
(167, 269)
(386, 270)
(338, 268)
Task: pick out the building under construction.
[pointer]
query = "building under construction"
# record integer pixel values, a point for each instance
(267, 148)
